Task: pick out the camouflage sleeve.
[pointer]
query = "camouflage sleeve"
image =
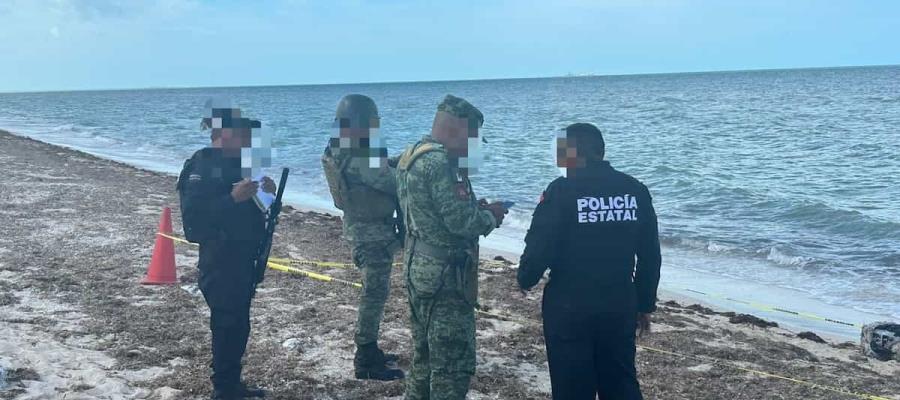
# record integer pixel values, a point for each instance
(383, 179)
(456, 207)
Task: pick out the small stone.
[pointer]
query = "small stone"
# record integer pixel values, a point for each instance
(701, 368)
(293, 344)
(133, 353)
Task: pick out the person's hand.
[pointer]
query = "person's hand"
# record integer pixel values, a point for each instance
(268, 185)
(482, 203)
(498, 210)
(643, 324)
(244, 190)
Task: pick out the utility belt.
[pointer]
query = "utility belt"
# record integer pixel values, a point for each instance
(462, 263)
(445, 254)
(368, 218)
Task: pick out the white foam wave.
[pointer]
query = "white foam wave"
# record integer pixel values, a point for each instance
(781, 258)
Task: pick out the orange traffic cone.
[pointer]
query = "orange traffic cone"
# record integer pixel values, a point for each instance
(162, 265)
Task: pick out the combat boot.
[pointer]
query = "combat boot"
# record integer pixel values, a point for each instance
(369, 363)
(388, 359)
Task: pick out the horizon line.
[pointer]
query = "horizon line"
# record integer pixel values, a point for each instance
(570, 75)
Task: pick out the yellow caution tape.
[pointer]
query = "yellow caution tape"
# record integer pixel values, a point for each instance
(771, 308)
(328, 264)
(310, 274)
(274, 264)
(176, 238)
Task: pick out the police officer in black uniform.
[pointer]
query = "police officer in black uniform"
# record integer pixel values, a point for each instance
(588, 229)
(218, 213)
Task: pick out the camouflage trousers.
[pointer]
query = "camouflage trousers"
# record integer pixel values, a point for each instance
(374, 260)
(443, 329)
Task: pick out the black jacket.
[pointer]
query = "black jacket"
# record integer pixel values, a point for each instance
(588, 230)
(207, 207)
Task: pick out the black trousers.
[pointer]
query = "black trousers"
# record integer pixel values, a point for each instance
(226, 276)
(591, 356)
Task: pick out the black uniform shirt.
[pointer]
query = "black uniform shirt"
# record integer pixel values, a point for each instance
(588, 230)
(206, 193)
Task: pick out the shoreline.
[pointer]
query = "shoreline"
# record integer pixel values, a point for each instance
(77, 236)
(492, 247)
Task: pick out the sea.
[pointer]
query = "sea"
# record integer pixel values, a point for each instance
(776, 190)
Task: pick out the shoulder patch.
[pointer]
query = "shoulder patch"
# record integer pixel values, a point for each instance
(194, 178)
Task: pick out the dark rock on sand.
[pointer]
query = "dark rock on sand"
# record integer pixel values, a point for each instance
(752, 320)
(811, 336)
(700, 309)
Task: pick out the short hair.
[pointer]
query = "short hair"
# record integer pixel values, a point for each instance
(588, 140)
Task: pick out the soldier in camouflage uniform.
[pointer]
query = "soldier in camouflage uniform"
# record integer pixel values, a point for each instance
(443, 223)
(364, 187)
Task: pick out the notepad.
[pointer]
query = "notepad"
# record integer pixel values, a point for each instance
(263, 199)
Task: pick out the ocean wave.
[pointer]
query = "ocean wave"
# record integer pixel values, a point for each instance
(782, 258)
(780, 254)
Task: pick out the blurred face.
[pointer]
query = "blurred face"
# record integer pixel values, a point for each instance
(360, 139)
(455, 133)
(567, 153)
(357, 129)
(233, 140)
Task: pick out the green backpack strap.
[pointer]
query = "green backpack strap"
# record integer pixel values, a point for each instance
(413, 153)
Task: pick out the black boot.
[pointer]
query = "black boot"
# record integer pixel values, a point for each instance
(389, 359)
(369, 363)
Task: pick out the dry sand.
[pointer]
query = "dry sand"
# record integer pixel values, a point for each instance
(76, 234)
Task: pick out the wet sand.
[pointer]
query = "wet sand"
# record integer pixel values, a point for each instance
(76, 234)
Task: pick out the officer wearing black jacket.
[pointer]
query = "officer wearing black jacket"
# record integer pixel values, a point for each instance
(218, 213)
(588, 229)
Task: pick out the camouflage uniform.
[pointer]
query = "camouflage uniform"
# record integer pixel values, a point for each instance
(373, 241)
(443, 224)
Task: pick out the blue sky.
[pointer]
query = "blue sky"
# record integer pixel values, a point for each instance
(85, 44)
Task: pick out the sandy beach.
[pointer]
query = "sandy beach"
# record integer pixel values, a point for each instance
(76, 235)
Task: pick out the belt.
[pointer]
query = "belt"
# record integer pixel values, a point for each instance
(442, 253)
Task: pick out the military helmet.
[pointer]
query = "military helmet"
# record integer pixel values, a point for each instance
(356, 109)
